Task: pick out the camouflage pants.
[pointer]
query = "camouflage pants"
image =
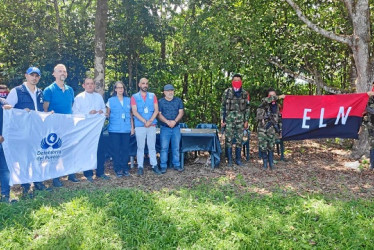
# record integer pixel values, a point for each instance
(266, 138)
(234, 131)
(371, 138)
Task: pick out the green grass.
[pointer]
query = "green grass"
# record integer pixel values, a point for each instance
(212, 215)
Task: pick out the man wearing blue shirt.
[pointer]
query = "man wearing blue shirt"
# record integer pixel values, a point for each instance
(171, 112)
(59, 98)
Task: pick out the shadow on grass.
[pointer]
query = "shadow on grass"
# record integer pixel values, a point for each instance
(213, 214)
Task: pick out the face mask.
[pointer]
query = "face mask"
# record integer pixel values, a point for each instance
(236, 84)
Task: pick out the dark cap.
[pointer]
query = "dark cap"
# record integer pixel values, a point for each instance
(168, 87)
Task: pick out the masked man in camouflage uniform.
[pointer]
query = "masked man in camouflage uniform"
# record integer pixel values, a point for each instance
(369, 123)
(269, 125)
(234, 117)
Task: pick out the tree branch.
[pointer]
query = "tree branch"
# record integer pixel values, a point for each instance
(316, 28)
(348, 5)
(301, 77)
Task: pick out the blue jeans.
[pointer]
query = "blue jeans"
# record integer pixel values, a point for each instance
(120, 147)
(4, 174)
(167, 136)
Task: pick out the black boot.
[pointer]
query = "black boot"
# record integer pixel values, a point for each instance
(271, 159)
(238, 156)
(229, 156)
(282, 150)
(264, 156)
(371, 159)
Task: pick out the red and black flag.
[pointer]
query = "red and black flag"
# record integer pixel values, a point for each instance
(329, 116)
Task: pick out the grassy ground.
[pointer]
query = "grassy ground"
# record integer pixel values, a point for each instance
(214, 213)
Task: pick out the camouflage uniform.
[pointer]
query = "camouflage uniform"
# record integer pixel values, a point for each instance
(269, 128)
(369, 123)
(234, 112)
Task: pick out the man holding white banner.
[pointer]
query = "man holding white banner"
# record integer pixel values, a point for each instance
(28, 97)
(89, 103)
(62, 144)
(59, 98)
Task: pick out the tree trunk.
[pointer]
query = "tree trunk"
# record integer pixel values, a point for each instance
(163, 49)
(130, 69)
(101, 22)
(185, 86)
(361, 146)
(359, 42)
(59, 27)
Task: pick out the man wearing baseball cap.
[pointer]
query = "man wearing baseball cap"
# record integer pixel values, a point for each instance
(29, 97)
(171, 111)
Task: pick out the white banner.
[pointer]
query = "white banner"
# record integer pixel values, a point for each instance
(40, 146)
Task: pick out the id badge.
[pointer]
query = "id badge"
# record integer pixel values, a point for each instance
(146, 110)
(123, 116)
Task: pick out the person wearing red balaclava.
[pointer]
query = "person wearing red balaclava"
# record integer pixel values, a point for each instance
(234, 117)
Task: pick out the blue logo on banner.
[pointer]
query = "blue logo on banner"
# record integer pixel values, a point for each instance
(52, 140)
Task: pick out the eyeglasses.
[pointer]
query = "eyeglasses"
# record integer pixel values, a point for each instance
(119, 87)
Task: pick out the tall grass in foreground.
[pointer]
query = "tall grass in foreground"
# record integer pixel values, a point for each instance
(207, 216)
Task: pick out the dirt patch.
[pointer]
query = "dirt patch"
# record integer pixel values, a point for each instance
(312, 167)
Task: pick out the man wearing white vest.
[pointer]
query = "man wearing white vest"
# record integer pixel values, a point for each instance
(144, 107)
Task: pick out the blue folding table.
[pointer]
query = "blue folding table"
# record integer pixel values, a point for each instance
(192, 140)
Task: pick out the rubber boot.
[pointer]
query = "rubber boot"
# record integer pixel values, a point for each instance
(271, 159)
(229, 156)
(282, 150)
(238, 156)
(371, 159)
(264, 155)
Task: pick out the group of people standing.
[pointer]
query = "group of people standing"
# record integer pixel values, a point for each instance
(137, 115)
(235, 111)
(127, 116)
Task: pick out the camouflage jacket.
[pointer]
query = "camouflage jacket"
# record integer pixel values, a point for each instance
(368, 119)
(266, 118)
(233, 104)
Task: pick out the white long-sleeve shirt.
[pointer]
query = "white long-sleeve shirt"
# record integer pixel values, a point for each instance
(85, 102)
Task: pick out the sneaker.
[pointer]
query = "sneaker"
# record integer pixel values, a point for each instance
(140, 171)
(156, 170)
(72, 178)
(57, 183)
(6, 199)
(25, 190)
(126, 173)
(89, 178)
(104, 177)
(39, 186)
(179, 169)
(119, 174)
(29, 195)
(163, 170)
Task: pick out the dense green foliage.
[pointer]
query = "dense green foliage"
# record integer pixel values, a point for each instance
(196, 45)
(210, 215)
